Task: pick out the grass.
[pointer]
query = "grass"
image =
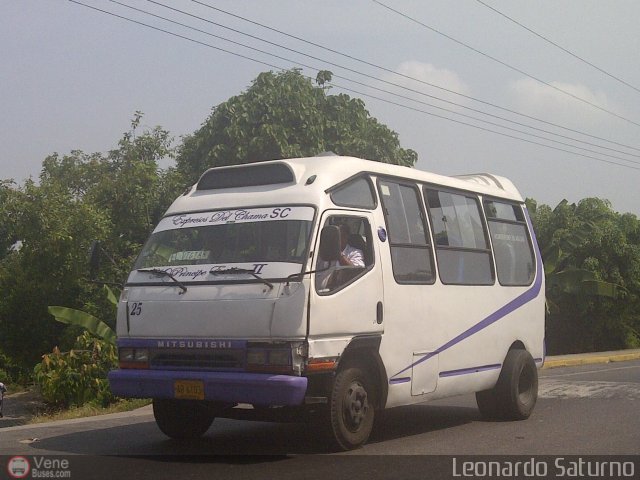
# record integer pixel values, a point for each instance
(89, 410)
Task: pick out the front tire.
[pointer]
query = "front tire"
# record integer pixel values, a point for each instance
(352, 408)
(182, 419)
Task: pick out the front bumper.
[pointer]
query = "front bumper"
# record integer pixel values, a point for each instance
(232, 387)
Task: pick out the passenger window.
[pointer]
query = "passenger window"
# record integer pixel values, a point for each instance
(462, 249)
(356, 193)
(357, 255)
(411, 255)
(512, 245)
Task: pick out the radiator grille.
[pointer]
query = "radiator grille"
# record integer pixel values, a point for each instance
(198, 360)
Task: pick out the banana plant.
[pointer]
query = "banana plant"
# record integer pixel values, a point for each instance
(564, 278)
(93, 325)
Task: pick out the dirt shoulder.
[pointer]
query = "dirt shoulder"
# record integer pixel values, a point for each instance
(20, 407)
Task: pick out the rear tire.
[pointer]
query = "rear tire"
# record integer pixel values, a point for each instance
(487, 401)
(516, 393)
(351, 408)
(519, 389)
(182, 419)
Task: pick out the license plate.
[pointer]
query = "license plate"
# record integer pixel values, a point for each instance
(189, 389)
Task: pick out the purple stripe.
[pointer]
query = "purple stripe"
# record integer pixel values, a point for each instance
(400, 380)
(182, 343)
(510, 307)
(465, 371)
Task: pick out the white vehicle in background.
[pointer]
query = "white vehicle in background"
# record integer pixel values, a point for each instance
(239, 297)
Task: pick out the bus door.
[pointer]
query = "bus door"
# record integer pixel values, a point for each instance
(348, 299)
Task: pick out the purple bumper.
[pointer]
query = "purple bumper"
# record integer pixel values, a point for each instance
(233, 387)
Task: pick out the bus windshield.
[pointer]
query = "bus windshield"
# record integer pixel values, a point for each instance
(244, 238)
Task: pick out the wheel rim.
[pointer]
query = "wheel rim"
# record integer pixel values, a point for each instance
(355, 406)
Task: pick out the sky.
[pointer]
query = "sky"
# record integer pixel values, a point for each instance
(71, 78)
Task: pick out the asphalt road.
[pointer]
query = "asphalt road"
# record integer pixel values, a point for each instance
(584, 410)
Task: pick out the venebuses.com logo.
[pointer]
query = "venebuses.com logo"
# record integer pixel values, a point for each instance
(18, 467)
(38, 467)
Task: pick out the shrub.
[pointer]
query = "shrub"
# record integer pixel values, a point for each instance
(11, 372)
(78, 376)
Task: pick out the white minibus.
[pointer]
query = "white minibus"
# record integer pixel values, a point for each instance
(329, 289)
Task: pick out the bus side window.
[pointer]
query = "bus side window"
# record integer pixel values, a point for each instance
(515, 261)
(462, 246)
(411, 254)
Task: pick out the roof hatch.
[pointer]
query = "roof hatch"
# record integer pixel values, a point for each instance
(245, 176)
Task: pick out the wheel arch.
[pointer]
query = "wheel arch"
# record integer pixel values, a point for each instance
(364, 351)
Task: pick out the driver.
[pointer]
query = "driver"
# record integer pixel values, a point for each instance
(327, 277)
(351, 256)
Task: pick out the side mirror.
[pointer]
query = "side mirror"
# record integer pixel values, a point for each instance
(330, 243)
(94, 259)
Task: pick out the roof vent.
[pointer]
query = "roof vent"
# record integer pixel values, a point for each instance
(245, 176)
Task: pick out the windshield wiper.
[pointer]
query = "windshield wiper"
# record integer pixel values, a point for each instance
(164, 273)
(297, 277)
(234, 270)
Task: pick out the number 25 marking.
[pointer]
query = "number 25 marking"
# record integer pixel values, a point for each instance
(135, 309)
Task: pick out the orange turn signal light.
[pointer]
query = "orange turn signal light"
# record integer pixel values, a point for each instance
(321, 365)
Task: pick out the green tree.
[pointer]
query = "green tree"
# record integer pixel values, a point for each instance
(54, 231)
(115, 198)
(283, 115)
(592, 264)
(8, 225)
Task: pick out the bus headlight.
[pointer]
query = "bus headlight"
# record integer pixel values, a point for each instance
(279, 357)
(269, 358)
(133, 357)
